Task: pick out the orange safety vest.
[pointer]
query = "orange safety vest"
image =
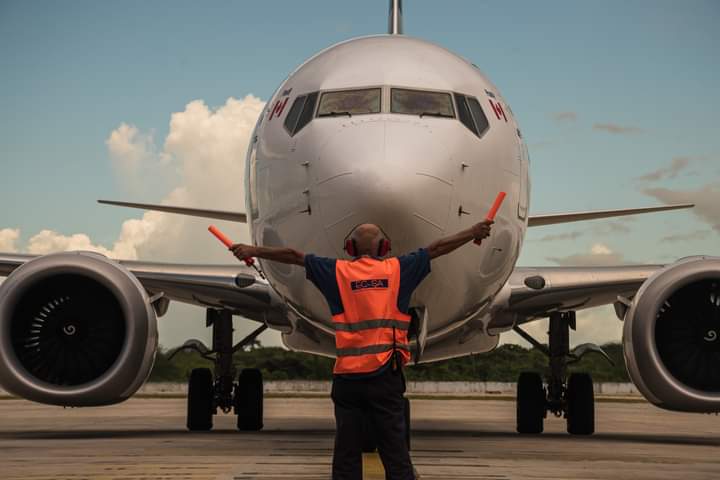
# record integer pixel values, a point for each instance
(371, 326)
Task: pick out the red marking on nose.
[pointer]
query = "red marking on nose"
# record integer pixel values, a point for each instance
(498, 109)
(278, 108)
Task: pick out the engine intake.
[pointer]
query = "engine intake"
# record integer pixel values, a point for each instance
(671, 336)
(76, 329)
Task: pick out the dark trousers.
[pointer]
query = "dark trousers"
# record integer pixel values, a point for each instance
(380, 400)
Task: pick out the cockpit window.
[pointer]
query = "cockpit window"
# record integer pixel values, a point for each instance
(307, 112)
(421, 102)
(471, 114)
(464, 113)
(294, 114)
(300, 113)
(350, 102)
(481, 121)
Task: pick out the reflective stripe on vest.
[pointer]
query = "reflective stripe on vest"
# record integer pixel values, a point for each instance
(349, 352)
(368, 324)
(371, 321)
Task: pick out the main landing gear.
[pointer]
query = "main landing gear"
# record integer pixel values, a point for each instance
(209, 390)
(569, 396)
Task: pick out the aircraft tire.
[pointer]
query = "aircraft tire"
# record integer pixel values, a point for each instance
(530, 403)
(249, 400)
(580, 405)
(200, 406)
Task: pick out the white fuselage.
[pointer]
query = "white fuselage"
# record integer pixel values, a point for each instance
(419, 177)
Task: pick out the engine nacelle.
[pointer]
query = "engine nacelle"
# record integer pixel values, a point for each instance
(76, 329)
(671, 336)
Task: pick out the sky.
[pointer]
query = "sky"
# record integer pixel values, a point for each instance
(155, 101)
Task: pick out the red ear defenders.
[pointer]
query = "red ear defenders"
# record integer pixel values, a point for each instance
(351, 245)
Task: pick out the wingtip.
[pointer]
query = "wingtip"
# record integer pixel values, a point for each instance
(680, 206)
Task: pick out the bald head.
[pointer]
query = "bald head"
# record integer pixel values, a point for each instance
(367, 237)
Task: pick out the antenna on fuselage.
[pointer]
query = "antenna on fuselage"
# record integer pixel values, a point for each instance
(395, 26)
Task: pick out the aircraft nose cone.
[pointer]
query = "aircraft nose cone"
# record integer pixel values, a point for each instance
(392, 173)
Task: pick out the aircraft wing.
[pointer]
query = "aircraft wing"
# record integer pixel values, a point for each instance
(557, 218)
(237, 288)
(535, 292)
(193, 212)
(533, 220)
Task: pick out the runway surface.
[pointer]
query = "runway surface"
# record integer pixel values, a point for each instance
(452, 439)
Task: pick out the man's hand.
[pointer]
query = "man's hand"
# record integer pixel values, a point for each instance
(446, 245)
(482, 230)
(282, 255)
(242, 251)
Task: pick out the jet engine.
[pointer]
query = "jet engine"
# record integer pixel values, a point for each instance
(76, 329)
(671, 336)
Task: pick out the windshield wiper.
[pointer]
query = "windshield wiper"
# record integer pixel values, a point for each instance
(435, 114)
(335, 114)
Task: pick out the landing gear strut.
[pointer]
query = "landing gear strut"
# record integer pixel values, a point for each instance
(569, 396)
(209, 390)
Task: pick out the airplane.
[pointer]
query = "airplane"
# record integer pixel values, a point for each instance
(397, 131)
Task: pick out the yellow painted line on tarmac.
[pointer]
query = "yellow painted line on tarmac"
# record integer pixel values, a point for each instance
(372, 467)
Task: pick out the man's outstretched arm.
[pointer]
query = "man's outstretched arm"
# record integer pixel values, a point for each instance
(446, 245)
(282, 255)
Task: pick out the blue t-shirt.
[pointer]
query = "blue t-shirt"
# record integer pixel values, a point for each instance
(414, 267)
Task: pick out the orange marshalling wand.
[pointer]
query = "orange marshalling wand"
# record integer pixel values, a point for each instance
(228, 243)
(220, 236)
(495, 206)
(494, 209)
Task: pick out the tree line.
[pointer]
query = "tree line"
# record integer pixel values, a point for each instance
(504, 364)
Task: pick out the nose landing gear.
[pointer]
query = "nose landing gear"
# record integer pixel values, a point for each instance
(569, 396)
(208, 390)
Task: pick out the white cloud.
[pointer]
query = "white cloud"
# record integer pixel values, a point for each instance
(206, 148)
(133, 235)
(129, 148)
(677, 164)
(204, 155)
(705, 198)
(48, 241)
(8, 239)
(617, 129)
(600, 255)
(142, 169)
(560, 236)
(686, 237)
(600, 249)
(611, 228)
